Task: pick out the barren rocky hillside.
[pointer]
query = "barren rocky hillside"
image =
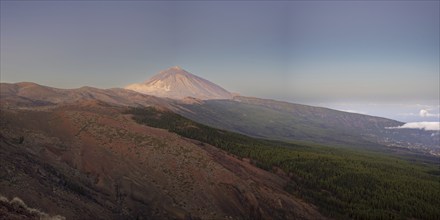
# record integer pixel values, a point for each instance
(90, 160)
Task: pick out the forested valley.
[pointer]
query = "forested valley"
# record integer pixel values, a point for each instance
(343, 183)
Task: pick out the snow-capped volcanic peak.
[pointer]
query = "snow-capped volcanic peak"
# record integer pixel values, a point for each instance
(176, 83)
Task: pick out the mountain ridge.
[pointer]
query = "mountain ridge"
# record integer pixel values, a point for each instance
(269, 119)
(27, 94)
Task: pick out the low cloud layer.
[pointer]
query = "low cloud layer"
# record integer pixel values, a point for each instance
(428, 126)
(425, 113)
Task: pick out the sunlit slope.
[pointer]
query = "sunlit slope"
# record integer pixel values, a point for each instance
(177, 83)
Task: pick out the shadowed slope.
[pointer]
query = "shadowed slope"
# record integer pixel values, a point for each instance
(295, 122)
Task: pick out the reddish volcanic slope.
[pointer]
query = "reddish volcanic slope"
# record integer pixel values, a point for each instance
(89, 160)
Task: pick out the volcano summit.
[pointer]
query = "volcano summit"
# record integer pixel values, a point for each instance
(176, 83)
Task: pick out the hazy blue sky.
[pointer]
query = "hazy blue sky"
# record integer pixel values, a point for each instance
(328, 53)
